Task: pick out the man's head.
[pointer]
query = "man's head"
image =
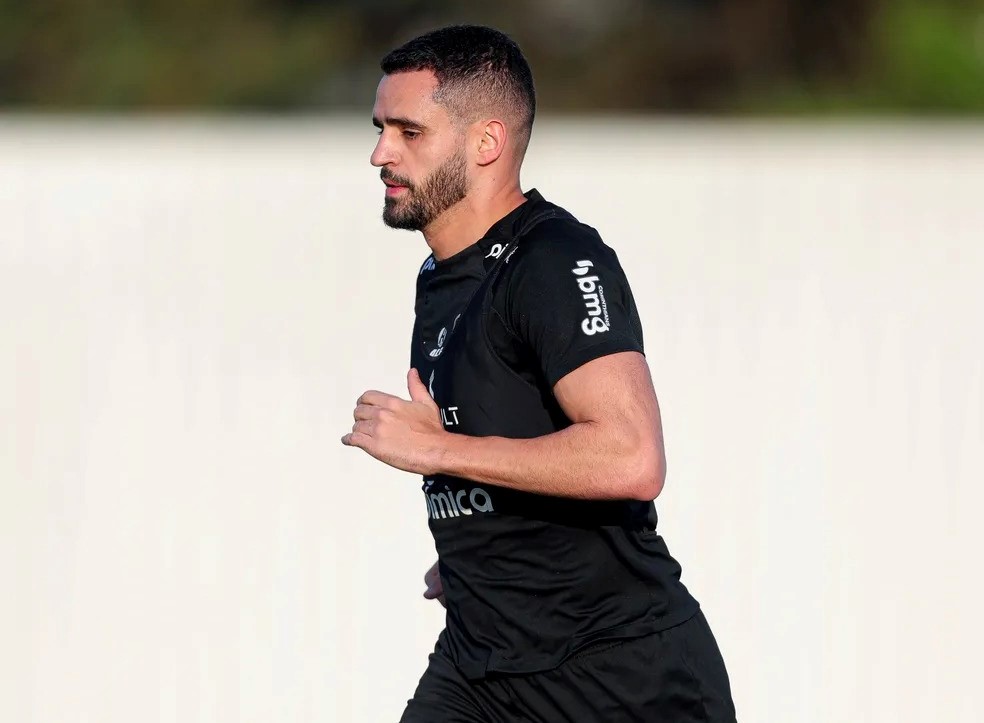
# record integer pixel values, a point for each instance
(452, 103)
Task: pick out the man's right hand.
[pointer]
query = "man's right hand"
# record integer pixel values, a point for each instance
(432, 579)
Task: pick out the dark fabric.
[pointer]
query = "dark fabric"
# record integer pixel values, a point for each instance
(673, 676)
(565, 297)
(530, 579)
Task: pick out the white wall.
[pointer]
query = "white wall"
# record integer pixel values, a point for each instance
(189, 310)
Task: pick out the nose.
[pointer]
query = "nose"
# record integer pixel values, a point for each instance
(383, 154)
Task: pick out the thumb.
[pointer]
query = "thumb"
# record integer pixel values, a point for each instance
(418, 392)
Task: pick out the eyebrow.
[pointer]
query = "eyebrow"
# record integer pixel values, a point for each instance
(404, 123)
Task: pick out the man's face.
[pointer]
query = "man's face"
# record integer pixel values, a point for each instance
(420, 152)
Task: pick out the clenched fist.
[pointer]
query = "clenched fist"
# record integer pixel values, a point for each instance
(404, 434)
(435, 588)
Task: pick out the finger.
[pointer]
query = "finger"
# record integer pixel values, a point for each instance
(434, 587)
(418, 391)
(356, 439)
(432, 571)
(365, 426)
(378, 399)
(366, 411)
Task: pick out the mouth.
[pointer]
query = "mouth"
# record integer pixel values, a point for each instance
(393, 187)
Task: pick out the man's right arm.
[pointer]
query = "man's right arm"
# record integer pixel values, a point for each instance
(432, 579)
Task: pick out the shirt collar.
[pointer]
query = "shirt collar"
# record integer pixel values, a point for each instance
(503, 231)
(500, 235)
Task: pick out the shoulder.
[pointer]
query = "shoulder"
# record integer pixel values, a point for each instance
(561, 228)
(554, 248)
(552, 269)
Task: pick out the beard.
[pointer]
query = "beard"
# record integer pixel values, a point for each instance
(417, 207)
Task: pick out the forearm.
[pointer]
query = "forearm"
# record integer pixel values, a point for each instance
(586, 461)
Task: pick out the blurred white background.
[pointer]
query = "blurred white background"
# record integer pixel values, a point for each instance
(189, 310)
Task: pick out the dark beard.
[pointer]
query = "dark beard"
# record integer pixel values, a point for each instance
(417, 207)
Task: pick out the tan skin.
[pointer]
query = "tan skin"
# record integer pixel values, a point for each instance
(614, 446)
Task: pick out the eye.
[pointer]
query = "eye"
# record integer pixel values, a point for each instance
(411, 135)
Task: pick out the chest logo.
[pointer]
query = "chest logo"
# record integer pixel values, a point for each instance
(435, 353)
(496, 251)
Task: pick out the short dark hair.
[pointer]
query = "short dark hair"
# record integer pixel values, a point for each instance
(476, 68)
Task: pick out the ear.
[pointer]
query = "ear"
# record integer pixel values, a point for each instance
(491, 141)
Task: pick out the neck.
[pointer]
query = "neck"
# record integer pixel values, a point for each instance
(468, 220)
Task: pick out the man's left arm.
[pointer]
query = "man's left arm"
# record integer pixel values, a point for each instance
(612, 450)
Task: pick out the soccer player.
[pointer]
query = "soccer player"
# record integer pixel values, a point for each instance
(532, 418)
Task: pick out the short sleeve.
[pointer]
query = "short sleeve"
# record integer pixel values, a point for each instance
(568, 300)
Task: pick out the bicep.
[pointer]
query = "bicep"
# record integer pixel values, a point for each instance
(614, 395)
(615, 390)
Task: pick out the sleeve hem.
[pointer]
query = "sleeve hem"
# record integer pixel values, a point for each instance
(582, 357)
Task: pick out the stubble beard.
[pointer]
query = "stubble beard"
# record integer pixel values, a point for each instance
(417, 207)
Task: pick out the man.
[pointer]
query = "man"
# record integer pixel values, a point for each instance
(532, 418)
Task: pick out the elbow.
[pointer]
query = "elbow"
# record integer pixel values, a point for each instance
(646, 474)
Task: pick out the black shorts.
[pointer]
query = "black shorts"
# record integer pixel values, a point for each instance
(676, 675)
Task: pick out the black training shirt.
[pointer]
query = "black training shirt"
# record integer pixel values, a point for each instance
(530, 579)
